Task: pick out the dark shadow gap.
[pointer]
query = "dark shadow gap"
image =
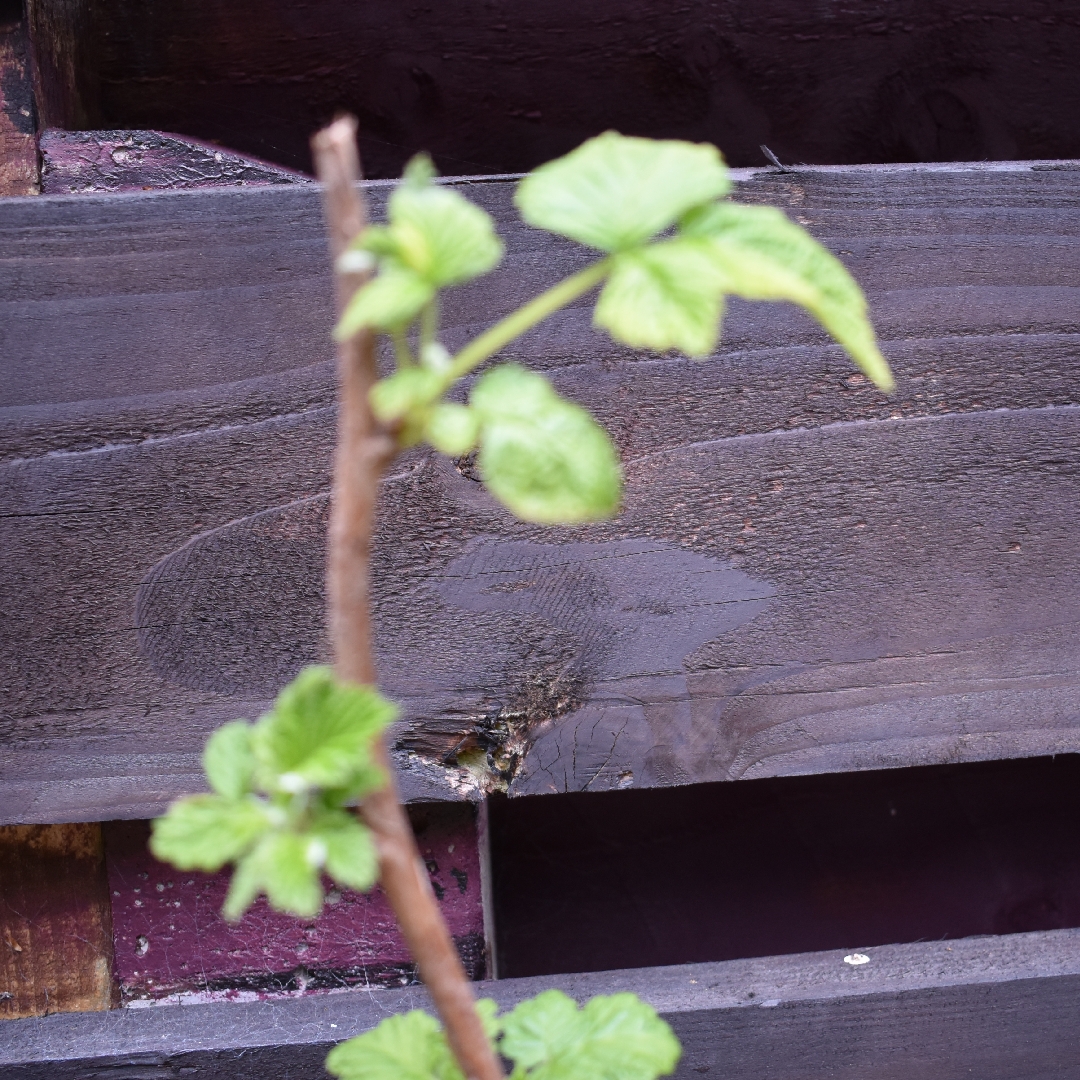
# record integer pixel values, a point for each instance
(593, 882)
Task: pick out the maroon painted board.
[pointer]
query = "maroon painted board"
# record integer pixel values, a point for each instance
(172, 943)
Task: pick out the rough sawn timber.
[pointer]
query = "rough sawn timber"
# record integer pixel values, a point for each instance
(806, 576)
(997, 1008)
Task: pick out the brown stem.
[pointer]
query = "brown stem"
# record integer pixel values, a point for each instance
(364, 449)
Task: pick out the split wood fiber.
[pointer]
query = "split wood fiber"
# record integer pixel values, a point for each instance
(807, 576)
(503, 88)
(363, 451)
(56, 945)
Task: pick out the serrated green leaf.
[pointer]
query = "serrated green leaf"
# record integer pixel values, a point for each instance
(406, 1047)
(664, 296)
(204, 832)
(399, 394)
(244, 887)
(489, 1017)
(545, 458)
(617, 1037)
(541, 1030)
(614, 192)
(452, 429)
(420, 170)
(229, 761)
(351, 858)
(282, 867)
(291, 873)
(319, 732)
(765, 256)
(441, 235)
(391, 301)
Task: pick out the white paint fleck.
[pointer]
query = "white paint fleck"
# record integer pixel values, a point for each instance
(855, 959)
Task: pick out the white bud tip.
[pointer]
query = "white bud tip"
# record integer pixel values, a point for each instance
(355, 262)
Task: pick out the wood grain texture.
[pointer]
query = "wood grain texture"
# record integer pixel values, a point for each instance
(56, 947)
(502, 88)
(18, 146)
(1002, 1008)
(806, 576)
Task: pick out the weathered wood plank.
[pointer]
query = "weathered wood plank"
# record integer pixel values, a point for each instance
(56, 947)
(1000, 1008)
(806, 576)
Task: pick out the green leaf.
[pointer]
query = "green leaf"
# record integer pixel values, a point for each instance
(320, 731)
(406, 1047)
(545, 458)
(612, 1038)
(420, 170)
(244, 888)
(390, 302)
(614, 192)
(203, 832)
(452, 429)
(351, 859)
(291, 866)
(229, 761)
(286, 867)
(399, 394)
(665, 296)
(441, 235)
(765, 256)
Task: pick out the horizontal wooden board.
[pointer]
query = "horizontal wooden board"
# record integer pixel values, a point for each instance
(493, 89)
(997, 1008)
(807, 576)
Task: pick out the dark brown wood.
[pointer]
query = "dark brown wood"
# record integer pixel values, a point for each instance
(18, 147)
(505, 87)
(998, 1008)
(80, 162)
(806, 576)
(56, 948)
(704, 872)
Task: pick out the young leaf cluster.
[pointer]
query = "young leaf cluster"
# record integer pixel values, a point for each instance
(672, 247)
(548, 1037)
(281, 787)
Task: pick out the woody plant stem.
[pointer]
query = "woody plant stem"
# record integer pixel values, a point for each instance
(364, 449)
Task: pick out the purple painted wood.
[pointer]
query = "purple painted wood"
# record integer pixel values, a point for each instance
(172, 943)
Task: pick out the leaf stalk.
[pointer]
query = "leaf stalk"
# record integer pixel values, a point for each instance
(525, 318)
